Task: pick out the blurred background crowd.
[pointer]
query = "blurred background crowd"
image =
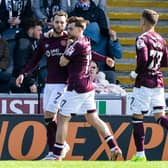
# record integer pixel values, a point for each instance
(23, 23)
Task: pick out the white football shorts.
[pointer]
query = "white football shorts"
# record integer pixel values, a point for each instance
(52, 97)
(145, 99)
(77, 103)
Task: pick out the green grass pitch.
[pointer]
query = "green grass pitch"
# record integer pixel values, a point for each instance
(83, 164)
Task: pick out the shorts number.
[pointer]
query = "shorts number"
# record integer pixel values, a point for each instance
(62, 103)
(57, 97)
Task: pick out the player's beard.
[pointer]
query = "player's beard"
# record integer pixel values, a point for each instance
(58, 31)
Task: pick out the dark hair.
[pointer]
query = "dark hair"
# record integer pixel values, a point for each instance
(79, 21)
(151, 16)
(60, 13)
(39, 23)
(31, 22)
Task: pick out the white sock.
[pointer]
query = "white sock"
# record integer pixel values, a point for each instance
(140, 154)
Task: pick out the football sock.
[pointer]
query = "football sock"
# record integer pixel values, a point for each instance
(138, 134)
(140, 154)
(110, 142)
(51, 132)
(58, 149)
(163, 121)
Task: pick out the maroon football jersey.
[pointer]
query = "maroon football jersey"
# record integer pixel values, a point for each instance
(79, 54)
(152, 54)
(53, 48)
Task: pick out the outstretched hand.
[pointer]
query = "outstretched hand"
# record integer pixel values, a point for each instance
(110, 62)
(19, 80)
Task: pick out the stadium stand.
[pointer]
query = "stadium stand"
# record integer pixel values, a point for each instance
(124, 19)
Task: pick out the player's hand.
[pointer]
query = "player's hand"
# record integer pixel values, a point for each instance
(63, 61)
(19, 80)
(110, 62)
(33, 88)
(49, 34)
(133, 75)
(69, 41)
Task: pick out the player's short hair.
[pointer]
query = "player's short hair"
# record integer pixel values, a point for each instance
(61, 13)
(79, 21)
(151, 16)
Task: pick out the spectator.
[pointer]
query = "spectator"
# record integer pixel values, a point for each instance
(68, 6)
(4, 62)
(45, 9)
(104, 46)
(101, 84)
(13, 13)
(88, 10)
(26, 42)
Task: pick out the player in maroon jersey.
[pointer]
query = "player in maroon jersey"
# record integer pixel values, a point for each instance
(152, 54)
(80, 90)
(55, 86)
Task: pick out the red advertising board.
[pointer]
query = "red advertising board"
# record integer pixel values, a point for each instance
(20, 104)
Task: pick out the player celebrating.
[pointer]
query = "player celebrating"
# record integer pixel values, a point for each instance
(53, 48)
(149, 88)
(80, 90)
(55, 86)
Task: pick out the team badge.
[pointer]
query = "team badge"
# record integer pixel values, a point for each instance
(63, 43)
(46, 45)
(140, 43)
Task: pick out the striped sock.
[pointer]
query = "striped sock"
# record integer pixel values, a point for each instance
(58, 149)
(110, 142)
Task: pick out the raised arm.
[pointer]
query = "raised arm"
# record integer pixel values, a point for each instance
(101, 58)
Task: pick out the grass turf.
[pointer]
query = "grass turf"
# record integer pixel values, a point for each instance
(83, 164)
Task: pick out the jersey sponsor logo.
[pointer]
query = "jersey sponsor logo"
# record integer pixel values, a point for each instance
(53, 52)
(140, 43)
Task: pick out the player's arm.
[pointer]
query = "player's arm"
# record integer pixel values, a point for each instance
(70, 52)
(101, 58)
(142, 58)
(164, 62)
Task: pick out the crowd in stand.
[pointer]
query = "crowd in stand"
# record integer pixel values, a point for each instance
(23, 22)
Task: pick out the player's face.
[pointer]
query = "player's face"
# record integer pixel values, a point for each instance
(72, 30)
(59, 24)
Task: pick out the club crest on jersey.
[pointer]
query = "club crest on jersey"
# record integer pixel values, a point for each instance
(63, 43)
(140, 43)
(46, 45)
